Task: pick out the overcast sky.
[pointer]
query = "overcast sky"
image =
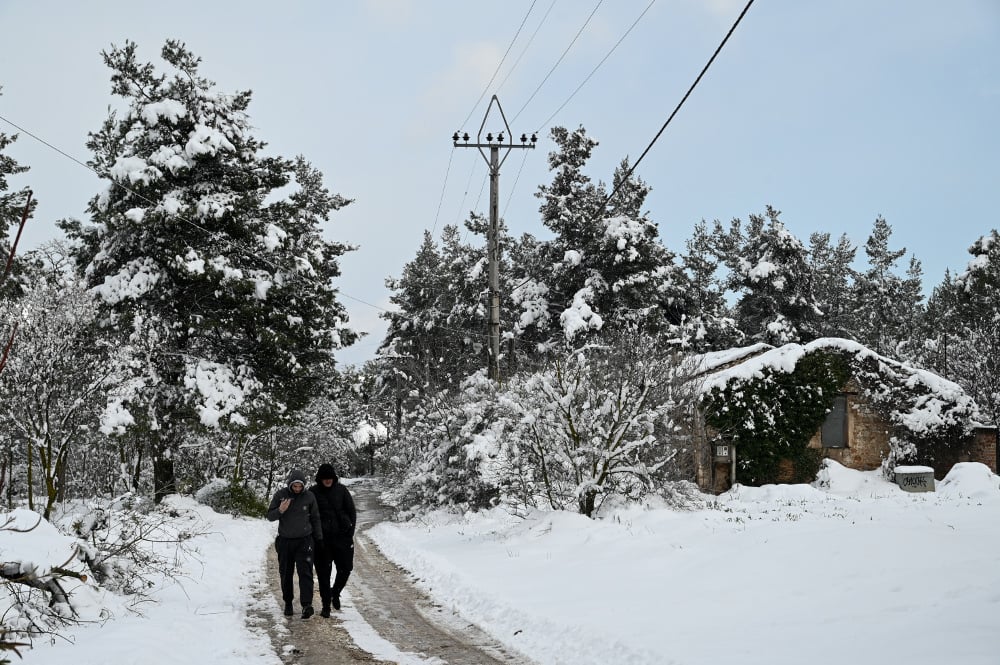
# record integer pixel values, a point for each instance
(833, 112)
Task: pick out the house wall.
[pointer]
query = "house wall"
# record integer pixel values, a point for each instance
(984, 447)
(980, 447)
(867, 436)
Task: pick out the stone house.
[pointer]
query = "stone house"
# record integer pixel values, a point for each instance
(854, 433)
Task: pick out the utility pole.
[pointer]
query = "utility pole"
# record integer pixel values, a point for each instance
(504, 140)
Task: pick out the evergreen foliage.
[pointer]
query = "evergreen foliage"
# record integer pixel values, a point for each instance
(221, 288)
(12, 205)
(885, 306)
(834, 277)
(604, 267)
(771, 274)
(710, 324)
(444, 465)
(231, 498)
(974, 361)
(11, 202)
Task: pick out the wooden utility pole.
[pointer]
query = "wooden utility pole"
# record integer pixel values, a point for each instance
(504, 141)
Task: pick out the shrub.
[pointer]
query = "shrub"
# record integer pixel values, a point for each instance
(231, 498)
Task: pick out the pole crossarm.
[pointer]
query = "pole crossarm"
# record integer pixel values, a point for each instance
(491, 145)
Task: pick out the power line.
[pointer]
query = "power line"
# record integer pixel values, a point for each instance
(575, 37)
(594, 70)
(526, 46)
(578, 88)
(233, 243)
(444, 185)
(465, 194)
(414, 319)
(524, 160)
(497, 71)
(679, 104)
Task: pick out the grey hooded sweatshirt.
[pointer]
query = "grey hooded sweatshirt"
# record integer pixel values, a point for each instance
(302, 517)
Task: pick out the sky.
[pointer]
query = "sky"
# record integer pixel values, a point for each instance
(849, 569)
(833, 113)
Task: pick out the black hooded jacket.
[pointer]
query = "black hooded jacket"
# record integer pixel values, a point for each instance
(336, 510)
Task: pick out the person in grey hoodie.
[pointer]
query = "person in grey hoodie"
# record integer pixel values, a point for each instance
(295, 509)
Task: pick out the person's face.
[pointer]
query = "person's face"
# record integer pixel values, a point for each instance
(297, 487)
(327, 482)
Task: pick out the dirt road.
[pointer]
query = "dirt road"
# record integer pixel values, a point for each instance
(387, 600)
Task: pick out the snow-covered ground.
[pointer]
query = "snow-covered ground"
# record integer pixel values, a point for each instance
(856, 571)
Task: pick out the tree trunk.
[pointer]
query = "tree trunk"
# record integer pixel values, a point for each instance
(164, 481)
(587, 501)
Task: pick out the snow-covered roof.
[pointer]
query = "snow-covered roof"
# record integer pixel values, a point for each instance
(707, 363)
(784, 358)
(937, 394)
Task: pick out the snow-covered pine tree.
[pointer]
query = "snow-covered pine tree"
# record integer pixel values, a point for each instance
(438, 335)
(710, 325)
(771, 272)
(220, 283)
(885, 306)
(831, 266)
(976, 362)
(605, 266)
(938, 338)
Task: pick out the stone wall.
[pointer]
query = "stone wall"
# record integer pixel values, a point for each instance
(984, 447)
(867, 436)
(980, 447)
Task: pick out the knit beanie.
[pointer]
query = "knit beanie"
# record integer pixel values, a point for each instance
(296, 476)
(325, 471)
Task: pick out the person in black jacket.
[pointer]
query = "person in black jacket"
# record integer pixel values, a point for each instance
(338, 517)
(295, 509)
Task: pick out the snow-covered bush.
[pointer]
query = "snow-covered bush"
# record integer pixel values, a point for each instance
(225, 496)
(601, 421)
(127, 542)
(441, 466)
(44, 582)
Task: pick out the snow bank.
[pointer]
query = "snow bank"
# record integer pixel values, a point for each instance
(769, 575)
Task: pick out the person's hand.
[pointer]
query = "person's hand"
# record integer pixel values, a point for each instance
(283, 506)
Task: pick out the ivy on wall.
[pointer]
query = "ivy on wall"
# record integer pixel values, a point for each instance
(771, 414)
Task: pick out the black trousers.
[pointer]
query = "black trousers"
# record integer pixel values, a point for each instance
(295, 555)
(337, 553)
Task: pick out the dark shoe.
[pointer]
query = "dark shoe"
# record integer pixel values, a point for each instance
(307, 611)
(336, 602)
(288, 610)
(325, 612)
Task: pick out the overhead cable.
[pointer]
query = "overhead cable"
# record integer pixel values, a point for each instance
(499, 65)
(575, 37)
(594, 70)
(704, 69)
(526, 46)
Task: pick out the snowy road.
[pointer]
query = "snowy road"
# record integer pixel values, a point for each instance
(386, 600)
